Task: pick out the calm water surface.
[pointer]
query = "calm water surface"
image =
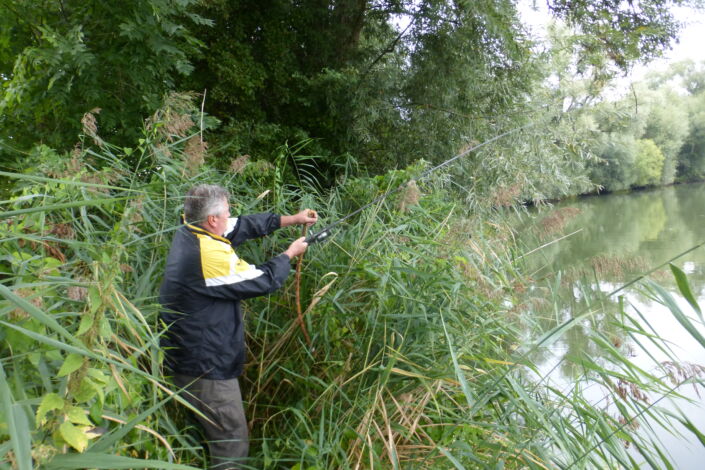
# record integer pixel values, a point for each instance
(614, 239)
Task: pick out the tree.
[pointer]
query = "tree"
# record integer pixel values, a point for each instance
(649, 163)
(387, 81)
(59, 60)
(391, 81)
(667, 126)
(346, 75)
(691, 158)
(615, 171)
(625, 31)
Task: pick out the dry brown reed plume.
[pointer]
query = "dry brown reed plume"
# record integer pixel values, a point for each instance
(77, 293)
(174, 116)
(625, 388)
(31, 296)
(95, 178)
(90, 126)
(262, 167)
(616, 266)
(238, 164)
(410, 196)
(680, 372)
(468, 146)
(459, 239)
(195, 152)
(52, 248)
(63, 231)
(133, 214)
(607, 267)
(162, 150)
(505, 196)
(555, 222)
(531, 304)
(174, 123)
(65, 168)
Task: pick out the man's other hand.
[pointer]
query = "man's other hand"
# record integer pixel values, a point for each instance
(306, 217)
(297, 248)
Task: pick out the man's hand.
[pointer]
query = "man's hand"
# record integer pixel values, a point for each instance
(297, 248)
(306, 217)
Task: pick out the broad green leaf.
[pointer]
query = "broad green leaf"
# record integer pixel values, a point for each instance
(684, 287)
(86, 323)
(78, 416)
(104, 328)
(98, 375)
(107, 461)
(51, 401)
(74, 436)
(87, 390)
(94, 298)
(72, 363)
(17, 426)
(96, 412)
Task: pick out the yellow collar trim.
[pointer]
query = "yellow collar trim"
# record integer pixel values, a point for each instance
(203, 231)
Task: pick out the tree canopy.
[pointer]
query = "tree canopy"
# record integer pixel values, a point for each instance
(381, 82)
(59, 60)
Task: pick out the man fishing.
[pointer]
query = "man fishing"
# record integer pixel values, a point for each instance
(203, 285)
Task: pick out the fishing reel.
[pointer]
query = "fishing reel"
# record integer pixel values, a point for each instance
(318, 237)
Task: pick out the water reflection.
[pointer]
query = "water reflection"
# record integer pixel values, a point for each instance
(617, 238)
(651, 225)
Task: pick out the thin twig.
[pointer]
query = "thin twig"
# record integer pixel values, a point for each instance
(203, 104)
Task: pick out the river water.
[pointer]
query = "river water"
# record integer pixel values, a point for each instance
(611, 239)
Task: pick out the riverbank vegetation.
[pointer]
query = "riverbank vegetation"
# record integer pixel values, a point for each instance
(419, 348)
(418, 353)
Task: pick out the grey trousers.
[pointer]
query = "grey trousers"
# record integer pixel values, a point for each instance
(221, 402)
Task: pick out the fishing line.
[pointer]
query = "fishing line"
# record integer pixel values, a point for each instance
(325, 232)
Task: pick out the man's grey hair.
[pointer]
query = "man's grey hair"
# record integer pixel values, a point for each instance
(204, 200)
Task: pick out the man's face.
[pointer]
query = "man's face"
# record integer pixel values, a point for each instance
(219, 223)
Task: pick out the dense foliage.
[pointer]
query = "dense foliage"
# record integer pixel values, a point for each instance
(59, 60)
(652, 136)
(382, 82)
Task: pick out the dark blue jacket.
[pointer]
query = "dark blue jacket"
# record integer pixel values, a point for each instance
(203, 285)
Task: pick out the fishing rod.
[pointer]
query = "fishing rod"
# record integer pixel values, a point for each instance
(325, 232)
